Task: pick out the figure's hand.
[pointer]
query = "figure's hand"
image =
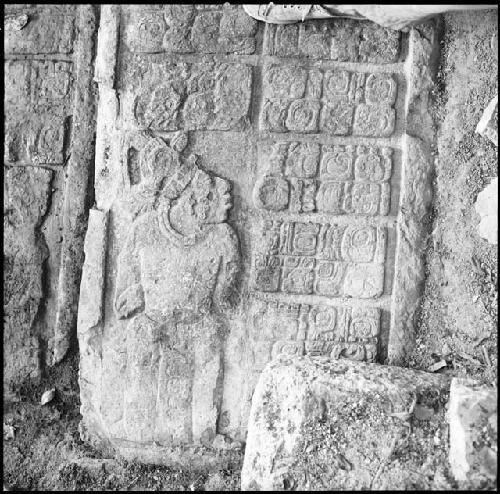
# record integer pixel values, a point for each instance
(130, 301)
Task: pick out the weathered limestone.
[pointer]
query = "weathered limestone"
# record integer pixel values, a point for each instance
(473, 420)
(318, 424)
(47, 50)
(309, 124)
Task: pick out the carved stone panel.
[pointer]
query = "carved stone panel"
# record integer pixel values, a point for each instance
(198, 113)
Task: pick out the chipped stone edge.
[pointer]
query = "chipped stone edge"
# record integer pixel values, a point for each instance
(78, 170)
(91, 311)
(415, 195)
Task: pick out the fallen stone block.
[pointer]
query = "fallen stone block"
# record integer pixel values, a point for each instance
(487, 207)
(317, 424)
(472, 416)
(488, 125)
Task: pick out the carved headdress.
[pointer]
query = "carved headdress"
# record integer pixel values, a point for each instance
(164, 173)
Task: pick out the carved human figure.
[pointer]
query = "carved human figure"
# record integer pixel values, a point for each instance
(176, 272)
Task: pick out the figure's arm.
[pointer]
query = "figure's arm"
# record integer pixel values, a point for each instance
(129, 296)
(229, 268)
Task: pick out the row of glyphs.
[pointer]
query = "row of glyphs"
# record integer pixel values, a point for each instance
(321, 259)
(300, 195)
(337, 332)
(37, 82)
(336, 39)
(330, 162)
(308, 177)
(343, 243)
(186, 29)
(180, 96)
(305, 276)
(335, 101)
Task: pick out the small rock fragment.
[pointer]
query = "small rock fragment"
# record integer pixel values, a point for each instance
(219, 442)
(473, 441)
(438, 365)
(9, 432)
(15, 22)
(48, 396)
(488, 125)
(236, 445)
(422, 412)
(487, 207)
(446, 350)
(494, 45)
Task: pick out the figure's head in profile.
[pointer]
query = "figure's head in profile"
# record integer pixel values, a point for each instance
(191, 197)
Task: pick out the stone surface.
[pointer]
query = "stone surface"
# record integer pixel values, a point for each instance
(43, 33)
(46, 52)
(487, 207)
(340, 425)
(473, 421)
(308, 125)
(26, 200)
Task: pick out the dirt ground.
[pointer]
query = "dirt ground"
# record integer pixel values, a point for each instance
(457, 323)
(459, 313)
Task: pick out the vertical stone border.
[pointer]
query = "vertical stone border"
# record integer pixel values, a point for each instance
(77, 187)
(415, 196)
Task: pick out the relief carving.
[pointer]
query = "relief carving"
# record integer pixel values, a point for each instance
(308, 177)
(198, 96)
(176, 273)
(340, 102)
(298, 329)
(189, 28)
(321, 259)
(343, 40)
